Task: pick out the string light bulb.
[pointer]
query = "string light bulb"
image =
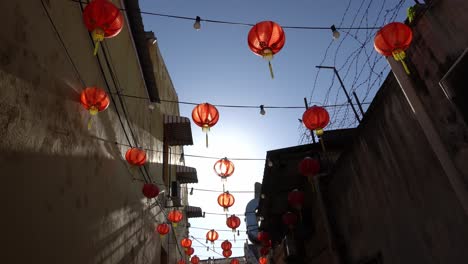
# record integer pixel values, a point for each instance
(197, 24)
(262, 110)
(336, 34)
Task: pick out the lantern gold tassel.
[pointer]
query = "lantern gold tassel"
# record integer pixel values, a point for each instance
(98, 36)
(92, 111)
(206, 137)
(400, 55)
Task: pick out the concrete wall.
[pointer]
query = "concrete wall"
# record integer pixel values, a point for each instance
(389, 194)
(70, 196)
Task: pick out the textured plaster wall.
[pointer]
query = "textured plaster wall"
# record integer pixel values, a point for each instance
(68, 193)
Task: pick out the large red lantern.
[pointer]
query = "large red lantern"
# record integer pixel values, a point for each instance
(205, 116)
(226, 200)
(262, 260)
(392, 40)
(174, 217)
(233, 222)
(186, 243)
(212, 236)
(264, 251)
(224, 168)
(266, 39)
(263, 237)
(296, 199)
(189, 251)
(234, 261)
(150, 190)
(135, 156)
(103, 19)
(316, 118)
(290, 219)
(163, 229)
(226, 245)
(227, 253)
(195, 259)
(94, 99)
(309, 167)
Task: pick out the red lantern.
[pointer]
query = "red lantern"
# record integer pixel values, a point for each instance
(212, 236)
(227, 253)
(205, 116)
(135, 156)
(150, 190)
(181, 261)
(316, 118)
(195, 259)
(264, 251)
(266, 39)
(226, 245)
(189, 251)
(290, 219)
(103, 19)
(262, 260)
(94, 99)
(174, 217)
(186, 243)
(224, 168)
(263, 237)
(233, 222)
(296, 199)
(392, 40)
(234, 261)
(226, 200)
(163, 229)
(309, 167)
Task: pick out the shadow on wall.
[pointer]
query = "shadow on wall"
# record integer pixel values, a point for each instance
(74, 210)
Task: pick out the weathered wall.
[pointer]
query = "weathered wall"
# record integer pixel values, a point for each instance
(69, 194)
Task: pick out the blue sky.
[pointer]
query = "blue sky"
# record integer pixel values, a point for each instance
(215, 65)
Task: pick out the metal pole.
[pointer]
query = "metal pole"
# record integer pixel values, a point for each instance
(344, 89)
(358, 103)
(311, 132)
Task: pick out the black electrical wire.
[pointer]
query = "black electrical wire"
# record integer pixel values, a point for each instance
(198, 241)
(220, 191)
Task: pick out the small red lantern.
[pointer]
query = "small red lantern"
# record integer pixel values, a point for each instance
(174, 217)
(195, 259)
(290, 219)
(224, 168)
(163, 229)
(227, 253)
(226, 245)
(233, 222)
(316, 118)
(234, 261)
(309, 167)
(296, 199)
(205, 116)
(150, 190)
(266, 39)
(189, 251)
(135, 156)
(264, 251)
(212, 236)
(181, 261)
(226, 200)
(94, 99)
(186, 243)
(103, 19)
(263, 237)
(392, 40)
(262, 260)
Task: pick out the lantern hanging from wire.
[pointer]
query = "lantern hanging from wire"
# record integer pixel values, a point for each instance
(189, 251)
(263, 237)
(309, 167)
(186, 243)
(195, 259)
(262, 260)
(205, 116)
(226, 245)
(226, 200)
(265, 39)
(181, 261)
(224, 168)
(103, 19)
(163, 229)
(212, 236)
(264, 251)
(290, 220)
(233, 222)
(316, 118)
(135, 157)
(227, 253)
(174, 216)
(150, 190)
(234, 261)
(296, 199)
(95, 100)
(392, 40)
